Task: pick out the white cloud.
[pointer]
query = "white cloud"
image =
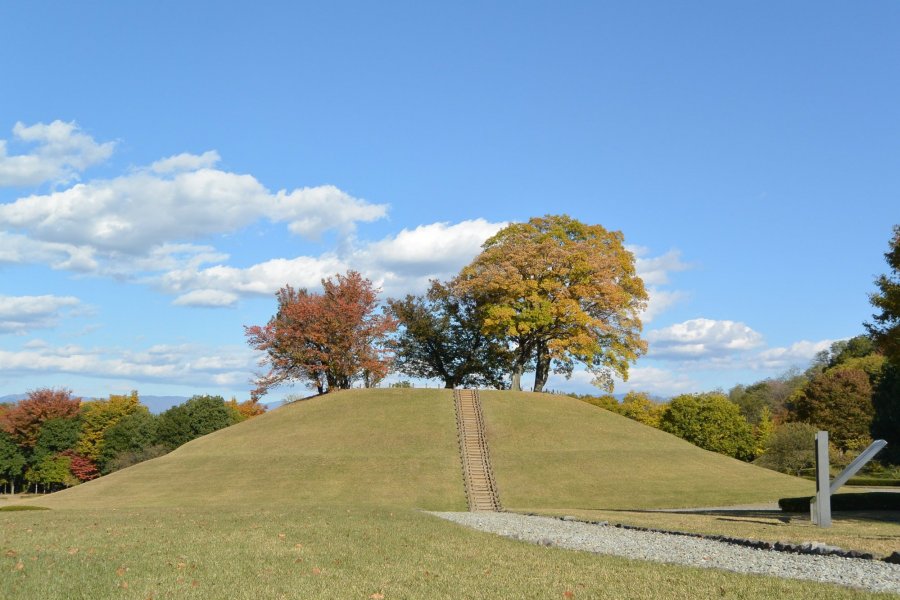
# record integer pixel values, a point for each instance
(798, 353)
(188, 364)
(653, 380)
(660, 300)
(186, 162)
(656, 381)
(655, 270)
(179, 199)
(19, 314)
(208, 298)
(399, 264)
(702, 339)
(432, 248)
(62, 152)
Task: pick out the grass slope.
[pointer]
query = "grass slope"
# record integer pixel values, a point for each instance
(557, 452)
(358, 447)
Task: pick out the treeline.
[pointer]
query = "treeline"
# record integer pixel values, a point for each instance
(850, 390)
(51, 439)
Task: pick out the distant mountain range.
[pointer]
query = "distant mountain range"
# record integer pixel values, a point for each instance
(156, 404)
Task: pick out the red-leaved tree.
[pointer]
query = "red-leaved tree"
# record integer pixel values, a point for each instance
(23, 421)
(82, 467)
(329, 340)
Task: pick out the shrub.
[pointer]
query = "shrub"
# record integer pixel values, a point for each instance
(846, 502)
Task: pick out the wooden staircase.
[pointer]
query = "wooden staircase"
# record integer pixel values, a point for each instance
(481, 489)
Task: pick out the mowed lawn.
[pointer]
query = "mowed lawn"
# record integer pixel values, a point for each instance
(256, 553)
(322, 499)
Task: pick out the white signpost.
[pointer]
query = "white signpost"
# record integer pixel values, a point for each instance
(820, 506)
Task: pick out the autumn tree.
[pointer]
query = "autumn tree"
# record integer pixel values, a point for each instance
(839, 401)
(885, 328)
(441, 337)
(639, 407)
(246, 409)
(329, 340)
(23, 421)
(559, 292)
(81, 467)
(97, 416)
(710, 421)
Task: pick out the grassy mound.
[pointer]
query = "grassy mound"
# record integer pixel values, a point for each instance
(398, 448)
(359, 447)
(555, 452)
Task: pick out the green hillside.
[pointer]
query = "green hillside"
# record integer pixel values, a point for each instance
(359, 447)
(398, 448)
(555, 452)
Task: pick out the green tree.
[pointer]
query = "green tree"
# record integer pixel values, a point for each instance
(132, 434)
(886, 406)
(53, 471)
(710, 421)
(56, 435)
(839, 401)
(198, 416)
(772, 393)
(885, 328)
(441, 338)
(97, 416)
(559, 292)
(12, 461)
(790, 449)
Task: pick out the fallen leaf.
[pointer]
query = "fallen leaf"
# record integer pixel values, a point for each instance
(377, 596)
(73, 550)
(121, 571)
(569, 594)
(316, 571)
(20, 565)
(298, 546)
(124, 585)
(281, 536)
(11, 553)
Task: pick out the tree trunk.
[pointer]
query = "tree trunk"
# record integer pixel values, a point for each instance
(516, 385)
(542, 367)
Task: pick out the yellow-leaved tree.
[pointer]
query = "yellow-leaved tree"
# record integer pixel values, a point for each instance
(97, 416)
(560, 292)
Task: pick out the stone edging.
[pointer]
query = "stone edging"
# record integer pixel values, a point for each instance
(811, 548)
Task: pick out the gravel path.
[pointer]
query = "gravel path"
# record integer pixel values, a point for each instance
(872, 575)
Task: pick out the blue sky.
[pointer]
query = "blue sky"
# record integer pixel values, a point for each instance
(165, 167)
